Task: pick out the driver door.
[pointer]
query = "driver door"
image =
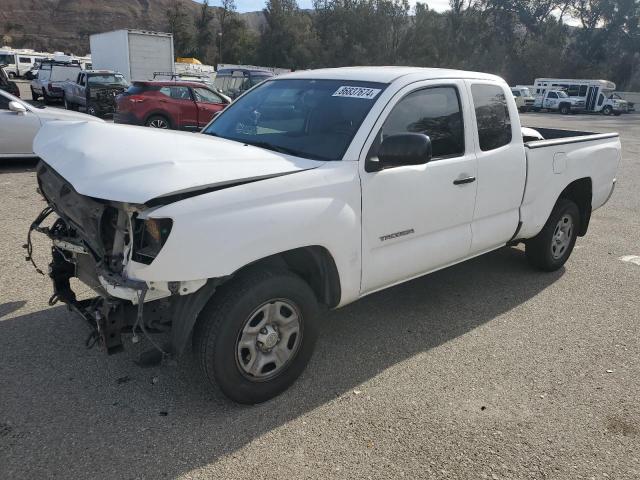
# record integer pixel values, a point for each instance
(417, 218)
(17, 130)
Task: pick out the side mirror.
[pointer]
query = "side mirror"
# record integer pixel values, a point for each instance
(17, 107)
(402, 149)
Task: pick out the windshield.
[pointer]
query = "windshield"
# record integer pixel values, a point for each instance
(107, 79)
(562, 94)
(314, 119)
(525, 92)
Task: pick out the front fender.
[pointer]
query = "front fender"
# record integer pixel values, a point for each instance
(217, 233)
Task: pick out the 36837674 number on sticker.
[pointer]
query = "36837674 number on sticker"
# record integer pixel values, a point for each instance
(356, 92)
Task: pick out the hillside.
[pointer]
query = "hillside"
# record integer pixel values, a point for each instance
(65, 25)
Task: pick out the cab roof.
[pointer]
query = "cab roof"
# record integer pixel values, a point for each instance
(387, 74)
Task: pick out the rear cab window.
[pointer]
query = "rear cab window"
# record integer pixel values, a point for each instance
(492, 116)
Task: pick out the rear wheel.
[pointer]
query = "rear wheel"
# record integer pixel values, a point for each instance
(158, 121)
(551, 248)
(68, 105)
(12, 75)
(257, 334)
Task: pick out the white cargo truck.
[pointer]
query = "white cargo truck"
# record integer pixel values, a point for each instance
(137, 54)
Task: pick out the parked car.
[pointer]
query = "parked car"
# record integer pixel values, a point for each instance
(524, 99)
(20, 122)
(314, 189)
(170, 104)
(6, 84)
(94, 90)
(51, 75)
(559, 101)
(233, 82)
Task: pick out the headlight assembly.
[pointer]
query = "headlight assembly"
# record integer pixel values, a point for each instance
(149, 236)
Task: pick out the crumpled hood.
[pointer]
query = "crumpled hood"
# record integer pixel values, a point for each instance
(138, 164)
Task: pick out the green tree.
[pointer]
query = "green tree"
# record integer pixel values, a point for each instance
(203, 48)
(178, 25)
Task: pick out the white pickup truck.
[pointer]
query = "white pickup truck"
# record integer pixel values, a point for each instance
(310, 191)
(559, 101)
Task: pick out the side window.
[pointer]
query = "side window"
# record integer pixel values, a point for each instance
(583, 90)
(24, 60)
(600, 99)
(434, 111)
(206, 96)
(573, 91)
(81, 82)
(180, 93)
(177, 93)
(492, 116)
(516, 93)
(552, 95)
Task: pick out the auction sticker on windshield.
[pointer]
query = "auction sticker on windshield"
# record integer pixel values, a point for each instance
(356, 92)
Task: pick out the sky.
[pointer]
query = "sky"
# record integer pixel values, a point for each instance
(255, 5)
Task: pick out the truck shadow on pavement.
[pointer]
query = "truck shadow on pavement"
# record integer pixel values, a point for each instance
(76, 413)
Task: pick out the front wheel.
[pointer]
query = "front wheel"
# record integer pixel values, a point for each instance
(92, 110)
(257, 334)
(565, 109)
(551, 248)
(607, 110)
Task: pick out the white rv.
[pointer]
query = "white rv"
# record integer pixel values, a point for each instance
(19, 61)
(597, 94)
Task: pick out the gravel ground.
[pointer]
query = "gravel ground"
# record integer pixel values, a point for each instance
(484, 370)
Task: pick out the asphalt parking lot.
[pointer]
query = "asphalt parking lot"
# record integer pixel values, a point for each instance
(484, 370)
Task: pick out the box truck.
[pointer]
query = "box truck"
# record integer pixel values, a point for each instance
(137, 54)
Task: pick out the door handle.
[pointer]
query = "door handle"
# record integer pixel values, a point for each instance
(462, 181)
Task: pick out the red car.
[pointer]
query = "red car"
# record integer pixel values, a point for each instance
(170, 104)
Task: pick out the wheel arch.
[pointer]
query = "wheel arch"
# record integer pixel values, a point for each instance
(158, 113)
(580, 192)
(314, 264)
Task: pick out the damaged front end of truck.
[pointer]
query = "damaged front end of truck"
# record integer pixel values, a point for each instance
(95, 240)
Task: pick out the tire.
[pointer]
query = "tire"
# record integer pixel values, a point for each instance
(607, 110)
(565, 109)
(244, 304)
(45, 97)
(12, 75)
(158, 121)
(92, 110)
(34, 95)
(68, 105)
(551, 248)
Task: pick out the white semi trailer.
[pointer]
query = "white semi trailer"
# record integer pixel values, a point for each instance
(137, 54)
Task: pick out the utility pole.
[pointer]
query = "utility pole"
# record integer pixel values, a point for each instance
(220, 47)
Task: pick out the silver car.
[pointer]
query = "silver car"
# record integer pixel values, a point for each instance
(19, 123)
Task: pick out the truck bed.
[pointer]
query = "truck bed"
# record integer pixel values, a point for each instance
(563, 157)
